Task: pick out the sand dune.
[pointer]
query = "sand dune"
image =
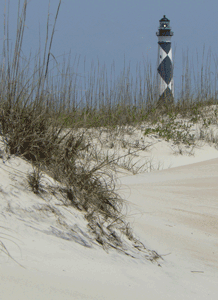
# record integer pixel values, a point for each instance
(173, 211)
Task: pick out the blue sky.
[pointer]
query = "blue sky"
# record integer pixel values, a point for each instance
(108, 29)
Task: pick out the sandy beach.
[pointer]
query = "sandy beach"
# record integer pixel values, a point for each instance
(173, 210)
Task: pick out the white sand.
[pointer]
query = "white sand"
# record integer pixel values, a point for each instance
(172, 211)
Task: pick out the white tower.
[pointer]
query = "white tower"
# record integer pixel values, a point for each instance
(165, 63)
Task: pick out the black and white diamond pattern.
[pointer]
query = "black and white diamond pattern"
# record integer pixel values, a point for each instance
(165, 70)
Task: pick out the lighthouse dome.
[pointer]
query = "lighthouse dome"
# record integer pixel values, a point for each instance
(164, 19)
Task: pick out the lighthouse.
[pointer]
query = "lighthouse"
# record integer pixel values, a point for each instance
(165, 64)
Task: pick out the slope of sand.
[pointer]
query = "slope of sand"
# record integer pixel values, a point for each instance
(173, 211)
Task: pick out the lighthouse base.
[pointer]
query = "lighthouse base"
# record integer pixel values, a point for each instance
(166, 98)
